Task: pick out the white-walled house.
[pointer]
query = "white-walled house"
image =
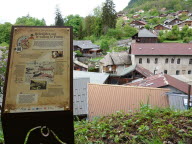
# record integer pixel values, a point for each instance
(168, 58)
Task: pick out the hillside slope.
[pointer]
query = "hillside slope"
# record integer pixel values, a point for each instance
(146, 5)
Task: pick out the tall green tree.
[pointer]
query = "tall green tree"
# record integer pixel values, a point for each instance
(59, 21)
(88, 25)
(5, 30)
(30, 21)
(76, 22)
(109, 15)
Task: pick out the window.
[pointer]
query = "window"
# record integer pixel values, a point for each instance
(178, 61)
(189, 71)
(166, 60)
(156, 60)
(190, 61)
(140, 60)
(177, 72)
(185, 102)
(165, 71)
(172, 60)
(148, 60)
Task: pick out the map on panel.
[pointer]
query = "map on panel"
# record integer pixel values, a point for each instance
(39, 70)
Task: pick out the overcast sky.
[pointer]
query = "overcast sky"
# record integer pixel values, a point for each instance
(12, 9)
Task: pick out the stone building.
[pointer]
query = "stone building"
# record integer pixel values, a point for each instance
(169, 58)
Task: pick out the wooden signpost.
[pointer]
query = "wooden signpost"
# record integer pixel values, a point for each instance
(38, 93)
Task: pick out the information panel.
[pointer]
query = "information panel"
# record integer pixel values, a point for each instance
(39, 70)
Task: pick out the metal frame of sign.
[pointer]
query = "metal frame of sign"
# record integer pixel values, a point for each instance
(50, 127)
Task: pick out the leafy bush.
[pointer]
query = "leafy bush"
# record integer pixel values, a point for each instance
(92, 69)
(149, 125)
(186, 39)
(115, 33)
(3, 64)
(79, 53)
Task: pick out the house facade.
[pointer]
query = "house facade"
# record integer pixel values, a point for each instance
(138, 24)
(115, 62)
(161, 27)
(171, 22)
(145, 36)
(87, 48)
(185, 23)
(168, 58)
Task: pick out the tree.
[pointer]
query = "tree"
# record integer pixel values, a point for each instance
(104, 45)
(76, 22)
(129, 31)
(58, 18)
(30, 21)
(109, 16)
(5, 30)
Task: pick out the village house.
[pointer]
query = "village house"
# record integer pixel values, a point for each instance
(168, 58)
(87, 48)
(129, 74)
(185, 23)
(169, 23)
(141, 11)
(136, 16)
(79, 66)
(138, 24)
(161, 27)
(145, 36)
(162, 15)
(179, 90)
(115, 62)
(163, 81)
(182, 12)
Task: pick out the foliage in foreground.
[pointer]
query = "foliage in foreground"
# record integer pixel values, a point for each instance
(149, 126)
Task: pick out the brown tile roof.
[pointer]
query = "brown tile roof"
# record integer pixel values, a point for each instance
(108, 99)
(140, 22)
(162, 80)
(161, 48)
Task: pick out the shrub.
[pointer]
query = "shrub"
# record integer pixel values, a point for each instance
(186, 39)
(79, 53)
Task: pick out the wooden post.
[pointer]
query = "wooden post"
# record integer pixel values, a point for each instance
(189, 93)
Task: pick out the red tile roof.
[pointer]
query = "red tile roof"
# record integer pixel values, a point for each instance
(162, 80)
(161, 49)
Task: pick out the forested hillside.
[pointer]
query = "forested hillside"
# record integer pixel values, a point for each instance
(173, 5)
